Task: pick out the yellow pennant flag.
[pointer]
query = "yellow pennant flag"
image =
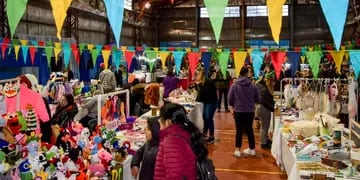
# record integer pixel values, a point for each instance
(275, 10)
(163, 56)
(106, 56)
(57, 44)
(188, 49)
(342, 47)
(302, 58)
(60, 8)
(311, 49)
(156, 49)
(90, 46)
(219, 50)
(17, 48)
(239, 60)
(23, 42)
(338, 57)
(56, 54)
(123, 49)
(346, 56)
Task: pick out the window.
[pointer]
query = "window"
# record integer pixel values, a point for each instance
(128, 4)
(256, 11)
(229, 12)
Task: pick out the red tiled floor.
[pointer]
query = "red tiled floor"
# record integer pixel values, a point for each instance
(262, 166)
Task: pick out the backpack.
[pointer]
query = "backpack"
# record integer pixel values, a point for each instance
(205, 169)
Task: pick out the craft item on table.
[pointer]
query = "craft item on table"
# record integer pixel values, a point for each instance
(25, 170)
(60, 170)
(96, 141)
(97, 171)
(326, 123)
(307, 114)
(31, 119)
(105, 157)
(38, 163)
(22, 121)
(106, 110)
(83, 138)
(10, 90)
(308, 152)
(4, 166)
(305, 128)
(324, 103)
(334, 105)
(12, 122)
(355, 158)
(353, 104)
(334, 163)
(33, 148)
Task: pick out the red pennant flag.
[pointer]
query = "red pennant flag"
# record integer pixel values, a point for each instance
(73, 46)
(107, 47)
(329, 57)
(3, 50)
(264, 49)
(278, 59)
(6, 40)
(234, 49)
(76, 55)
(32, 50)
(139, 48)
(297, 49)
(328, 47)
(193, 61)
(171, 48)
(129, 56)
(41, 43)
(203, 50)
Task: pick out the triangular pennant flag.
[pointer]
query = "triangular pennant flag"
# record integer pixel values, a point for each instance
(106, 56)
(129, 56)
(355, 62)
(4, 46)
(99, 47)
(15, 42)
(338, 57)
(239, 60)
(60, 11)
(67, 56)
(57, 44)
(163, 56)
(123, 48)
(94, 55)
(15, 10)
(56, 54)
(314, 58)
(193, 62)
(257, 59)
(216, 11)
(275, 10)
(49, 52)
(223, 61)
(178, 58)
(195, 49)
(107, 47)
(34, 43)
(277, 59)
(171, 48)
(66, 45)
(81, 47)
(76, 54)
(151, 56)
(131, 48)
(293, 58)
(24, 50)
(206, 59)
(17, 49)
(90, 46)
(188, 49)
(115, 14)
(41, 43)
(335, 13)
(218, 50)
(156, 49)
(32, 50)
(117, 58)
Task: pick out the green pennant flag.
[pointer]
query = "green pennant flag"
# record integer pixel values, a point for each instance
(94, 55)
(81, 47)
(49, 43)
(15, 10)
(216, 11)
(223, 61)
(151, 56)
(15, 42)
(49, 52)
(314, 58)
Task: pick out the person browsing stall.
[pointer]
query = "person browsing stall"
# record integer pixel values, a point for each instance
(107, 79)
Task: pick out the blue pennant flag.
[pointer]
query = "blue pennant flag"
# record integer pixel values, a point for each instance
(67, 56)
(115, 14)
(25, 50)
(294, 59)
(258, 59)
(355, 62)
(206, 59)
(178, 57)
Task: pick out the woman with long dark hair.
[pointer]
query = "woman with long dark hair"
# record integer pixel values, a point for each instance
(65, 111)
(180, 146)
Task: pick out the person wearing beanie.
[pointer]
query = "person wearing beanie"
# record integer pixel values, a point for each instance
(107, 79)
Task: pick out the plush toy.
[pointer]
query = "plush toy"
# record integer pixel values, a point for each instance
(10, 90)
(12, 122)
(22, 121)
(97, 170)
(82, 175)
(4, 167)
(33, 148)
(14, 173)
(96, 141)
(25, 170)
(42, 175)
(105, 157)
(83, 139)
(38, 163)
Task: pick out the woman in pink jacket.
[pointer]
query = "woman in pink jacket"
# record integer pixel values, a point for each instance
(180, 145)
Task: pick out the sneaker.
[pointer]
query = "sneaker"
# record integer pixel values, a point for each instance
(250, 152)
(237, 153)
(210, 140)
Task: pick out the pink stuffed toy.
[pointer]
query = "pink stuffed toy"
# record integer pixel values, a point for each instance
(105, 157)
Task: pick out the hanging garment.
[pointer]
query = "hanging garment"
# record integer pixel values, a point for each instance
(152, 94)
(353, 106)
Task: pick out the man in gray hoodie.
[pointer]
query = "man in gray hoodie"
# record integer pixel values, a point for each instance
(242, 97)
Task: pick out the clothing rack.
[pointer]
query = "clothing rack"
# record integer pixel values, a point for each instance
(17, 80)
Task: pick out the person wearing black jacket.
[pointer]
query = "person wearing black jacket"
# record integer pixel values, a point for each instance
(65, 111)
(208, 96)
(266, 88)
(146, 155)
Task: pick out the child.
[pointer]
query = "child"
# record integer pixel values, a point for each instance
(146, 155)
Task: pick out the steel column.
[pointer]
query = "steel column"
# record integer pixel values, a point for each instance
(197, 23)
(243, 15)
(4, 26)
(72, 25)
(292, 22)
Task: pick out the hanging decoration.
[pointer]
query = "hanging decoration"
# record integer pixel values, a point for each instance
(338, 57)
(193, 62)
(15, 9)
(151, 56)
(239, 60)
(90, 47)
(60, 11)
(106, 56)
(223, 61)
(293, 58)
(314, 58)
(24, 50)
(156, 49)
(163, 56)
(117, 58)
(76, 54)
(335, 13)
(275, 10)
(115, 14)
(48, 52)
(81, 47)
(257, 60)
(355, 62)
(17, 49)
(56, 54)
(95, 53)
(129, 56)
(32, 50)
(216, 11)
(206, 58)
(178, 58)
(67, 56)
(3, 50)
(277, 59)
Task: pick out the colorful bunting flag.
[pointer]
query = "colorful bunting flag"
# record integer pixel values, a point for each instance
(275, 10)
(49, 52)
(32, 50)
(81, 47)
(277, 59)
(106, 56)
(257, 60)
(355, 62)
(216, 12)
(163, 56)
(56, 54)
(117, 56)
(178, 58)
(60, 11)
(67, 56)
(335, 14)
(17, 49)
(293, 58)
(90, 46)
(94, 55)
(314, 58)
(76, 54)
(193, 62)
(338, 57)
(156, 49)
(129, 56)
(15, 9)
(151, 56)
(206, 58)
(24, 50)
(115, 14)
(239, 60)
(223, 61)
(4, 46)
(123, 48)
